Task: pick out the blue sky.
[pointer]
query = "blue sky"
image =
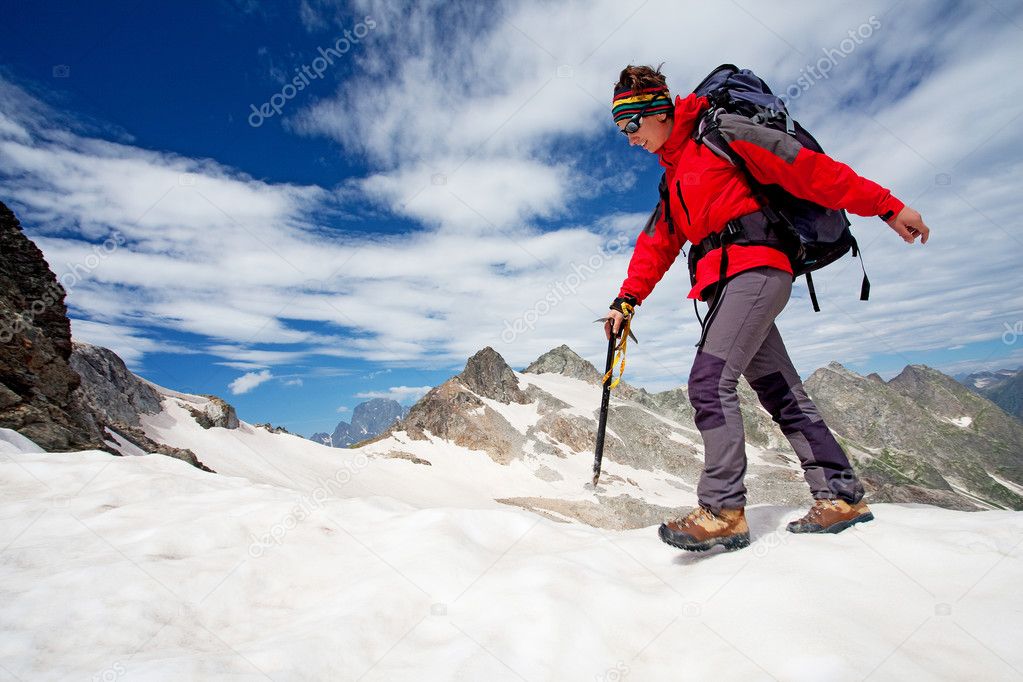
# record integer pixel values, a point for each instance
(451, 174)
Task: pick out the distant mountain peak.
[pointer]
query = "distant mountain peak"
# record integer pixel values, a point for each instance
(563, 360)
(369, 419)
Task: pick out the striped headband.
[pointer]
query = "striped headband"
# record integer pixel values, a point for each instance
(627, 103)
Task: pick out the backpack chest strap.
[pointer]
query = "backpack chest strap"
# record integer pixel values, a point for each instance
(752, 229)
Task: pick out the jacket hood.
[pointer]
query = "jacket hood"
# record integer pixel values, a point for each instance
(687, 111)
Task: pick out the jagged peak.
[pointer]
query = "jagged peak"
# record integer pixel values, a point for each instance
(835, 367)
(487, 374)
(563, 360)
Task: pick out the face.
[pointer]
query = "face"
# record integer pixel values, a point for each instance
(652, 133)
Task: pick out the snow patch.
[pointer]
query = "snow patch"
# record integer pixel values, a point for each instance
(12, 442)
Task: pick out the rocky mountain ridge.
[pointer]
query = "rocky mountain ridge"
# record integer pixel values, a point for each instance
(921, 437)
(1003, 387)
(369, 419)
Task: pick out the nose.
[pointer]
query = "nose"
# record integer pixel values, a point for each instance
(634, 140)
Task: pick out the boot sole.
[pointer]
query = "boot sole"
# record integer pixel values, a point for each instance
(678, 540)
(835, 527)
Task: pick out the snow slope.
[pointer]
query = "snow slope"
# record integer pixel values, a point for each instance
(147, 568)
(298, 561)
(471, 477)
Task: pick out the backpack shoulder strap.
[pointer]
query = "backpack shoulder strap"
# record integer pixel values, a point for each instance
(778, 142)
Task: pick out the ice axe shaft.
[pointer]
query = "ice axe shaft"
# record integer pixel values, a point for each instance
(605, 398)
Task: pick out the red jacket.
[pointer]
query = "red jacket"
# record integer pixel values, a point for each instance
(706, 191)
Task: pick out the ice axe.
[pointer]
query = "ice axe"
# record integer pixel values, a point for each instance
(624, 333)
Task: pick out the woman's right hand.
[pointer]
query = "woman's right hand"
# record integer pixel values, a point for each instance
(613, 323)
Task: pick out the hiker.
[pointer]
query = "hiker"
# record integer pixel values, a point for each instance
(746, 288)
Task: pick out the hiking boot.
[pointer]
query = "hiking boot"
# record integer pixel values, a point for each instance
(831, 516)
(701, 529)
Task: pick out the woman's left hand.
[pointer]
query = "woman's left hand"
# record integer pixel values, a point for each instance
(910, 225)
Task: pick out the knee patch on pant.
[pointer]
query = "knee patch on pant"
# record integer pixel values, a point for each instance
(705, 390)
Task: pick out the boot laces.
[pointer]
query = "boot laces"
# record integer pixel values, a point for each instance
(818, 506)
(693, 517)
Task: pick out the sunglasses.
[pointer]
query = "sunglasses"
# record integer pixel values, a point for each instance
(633, 123)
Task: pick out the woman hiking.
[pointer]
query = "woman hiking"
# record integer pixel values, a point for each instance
(746, 289)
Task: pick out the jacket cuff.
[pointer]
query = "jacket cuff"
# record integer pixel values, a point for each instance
(890, 208)
(624, 296)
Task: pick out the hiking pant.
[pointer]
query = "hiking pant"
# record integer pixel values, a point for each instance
(743, 339)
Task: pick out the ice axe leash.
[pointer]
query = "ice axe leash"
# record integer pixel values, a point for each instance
(615, 355)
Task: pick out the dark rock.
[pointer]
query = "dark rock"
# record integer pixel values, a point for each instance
(453, 412)
(488, 375)
(38, 397)
(272, 429)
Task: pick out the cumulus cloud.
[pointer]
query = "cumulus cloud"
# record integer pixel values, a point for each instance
(249, 381)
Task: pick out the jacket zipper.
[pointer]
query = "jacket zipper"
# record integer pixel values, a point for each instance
(681, 199)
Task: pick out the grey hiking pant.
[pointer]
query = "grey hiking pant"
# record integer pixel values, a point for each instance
(743, 339)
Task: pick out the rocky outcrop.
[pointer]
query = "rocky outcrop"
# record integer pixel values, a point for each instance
(63, 395)
(215, 413)
(453, 412)
(565, 361)
(271, 428)
(38, 396)
(109, 388)
(488, 375)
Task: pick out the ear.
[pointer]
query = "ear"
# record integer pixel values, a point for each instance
(662, 117)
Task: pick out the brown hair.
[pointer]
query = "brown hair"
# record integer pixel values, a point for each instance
(641, 78)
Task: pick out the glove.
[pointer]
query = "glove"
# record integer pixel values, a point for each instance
(617, 304)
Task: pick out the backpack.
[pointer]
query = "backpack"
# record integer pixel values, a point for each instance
(816, 236)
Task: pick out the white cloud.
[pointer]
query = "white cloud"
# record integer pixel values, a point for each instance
(399, 393)
(341, 409)
(249, 381)
(292, 382)
(468, 122)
